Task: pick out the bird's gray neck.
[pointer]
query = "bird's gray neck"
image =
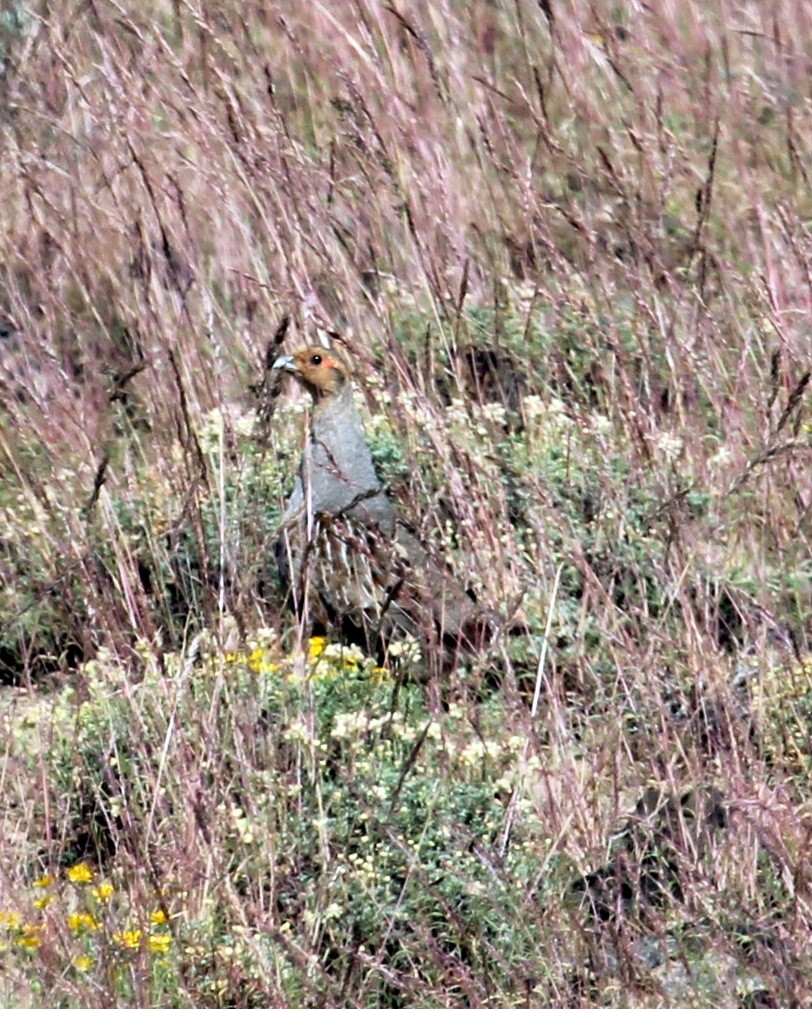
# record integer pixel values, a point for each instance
(336, 418)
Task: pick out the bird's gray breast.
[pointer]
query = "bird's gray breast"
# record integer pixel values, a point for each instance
(337, 476)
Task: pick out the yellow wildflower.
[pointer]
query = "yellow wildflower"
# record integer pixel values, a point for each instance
(43, 881)
(103, 892)
(10, 919)
(80, 873)
(42, 902)
(159, 943)
(83, 962)
(129, 940)
(159, 917)
(315, 647)
(80, 922)
(30, 937)
(380, 674)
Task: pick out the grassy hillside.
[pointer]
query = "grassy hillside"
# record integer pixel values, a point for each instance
(566, 248)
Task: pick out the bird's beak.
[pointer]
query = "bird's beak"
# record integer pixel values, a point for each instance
(286, 363)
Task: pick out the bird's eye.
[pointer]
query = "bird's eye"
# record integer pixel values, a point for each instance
(316, 359)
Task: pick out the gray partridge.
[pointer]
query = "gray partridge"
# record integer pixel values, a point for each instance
(347, 559)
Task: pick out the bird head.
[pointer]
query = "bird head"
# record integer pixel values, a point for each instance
(320, 371)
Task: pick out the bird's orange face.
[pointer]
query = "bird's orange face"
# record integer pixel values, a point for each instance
(320, 371)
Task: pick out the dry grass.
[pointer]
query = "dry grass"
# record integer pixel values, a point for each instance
(569, 257)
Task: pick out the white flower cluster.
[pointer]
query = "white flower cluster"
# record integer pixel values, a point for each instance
(494, 413)
(347, 655)
(359, 723)
(407, 650)
(669, 446)
(213, 424)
